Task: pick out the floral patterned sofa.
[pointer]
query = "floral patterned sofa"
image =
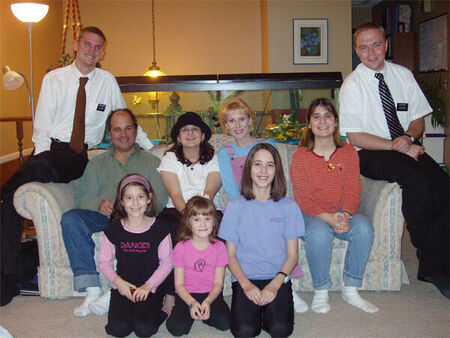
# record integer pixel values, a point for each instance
(44, 203)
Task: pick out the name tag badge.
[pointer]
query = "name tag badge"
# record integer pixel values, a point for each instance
(402, 107)
(101, 107)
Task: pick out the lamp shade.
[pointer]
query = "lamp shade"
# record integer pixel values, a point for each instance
(154, 71)
(11, 79)
(29, 12)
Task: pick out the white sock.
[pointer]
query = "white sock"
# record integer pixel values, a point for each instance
(320, 302)
(299, 305)
(351, 296)
(100, 306)
(92, 293)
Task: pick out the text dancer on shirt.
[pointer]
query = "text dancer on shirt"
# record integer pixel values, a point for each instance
(59, 154)
(382, 113)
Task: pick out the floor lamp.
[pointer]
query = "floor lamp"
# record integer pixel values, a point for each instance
(30, 13)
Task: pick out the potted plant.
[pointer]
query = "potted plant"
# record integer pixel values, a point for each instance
(432, 93)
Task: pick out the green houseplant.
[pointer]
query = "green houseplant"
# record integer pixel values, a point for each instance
(433, 94)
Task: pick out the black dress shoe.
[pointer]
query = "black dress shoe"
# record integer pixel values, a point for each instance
(8, 288)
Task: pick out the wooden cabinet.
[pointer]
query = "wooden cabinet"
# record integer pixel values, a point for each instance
(403, 49)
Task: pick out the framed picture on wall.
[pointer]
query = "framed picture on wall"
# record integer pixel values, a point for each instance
(433, 44)
(310, 45)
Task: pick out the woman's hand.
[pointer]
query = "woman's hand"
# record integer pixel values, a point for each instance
(141, 293)
(253, 293)
(124, 288)
(340, 223)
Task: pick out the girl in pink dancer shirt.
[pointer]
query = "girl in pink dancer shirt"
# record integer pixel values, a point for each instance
(142, 246)
(199, 259)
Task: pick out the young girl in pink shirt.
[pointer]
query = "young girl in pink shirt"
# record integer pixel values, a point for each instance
(199, 259)
(142, 246)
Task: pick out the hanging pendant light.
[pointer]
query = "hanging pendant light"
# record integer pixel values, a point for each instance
(153, 70)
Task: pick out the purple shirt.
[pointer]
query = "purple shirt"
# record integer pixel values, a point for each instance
(260, 231)
(199, 265)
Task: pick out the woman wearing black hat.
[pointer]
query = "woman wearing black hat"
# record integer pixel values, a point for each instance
(190, 167)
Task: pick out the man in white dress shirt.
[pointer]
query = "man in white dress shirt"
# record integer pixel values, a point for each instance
(53, 159)
(372, 97)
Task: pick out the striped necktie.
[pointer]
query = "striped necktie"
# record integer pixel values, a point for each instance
(395, 128)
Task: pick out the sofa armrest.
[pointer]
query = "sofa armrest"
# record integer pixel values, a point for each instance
(375, 195)
(58, 197)
(44, 203)
(381, 203)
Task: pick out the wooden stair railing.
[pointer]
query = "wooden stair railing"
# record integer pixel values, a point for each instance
(19, 131)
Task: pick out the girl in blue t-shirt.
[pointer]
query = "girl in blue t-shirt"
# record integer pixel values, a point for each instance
(261, 229)
(200, 260)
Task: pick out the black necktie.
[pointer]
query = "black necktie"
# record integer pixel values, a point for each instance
(77, 138)
(395, 128)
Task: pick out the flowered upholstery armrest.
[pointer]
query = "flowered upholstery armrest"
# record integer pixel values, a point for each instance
(56, 198)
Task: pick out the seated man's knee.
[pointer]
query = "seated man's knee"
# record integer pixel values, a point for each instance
(68, 219)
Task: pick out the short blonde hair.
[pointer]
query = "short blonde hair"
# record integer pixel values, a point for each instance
(235, 104)
(368, 26)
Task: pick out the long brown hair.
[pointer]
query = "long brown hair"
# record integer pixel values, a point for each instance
(278, 188)
(308, 139)
(197, 205)
(118, 209)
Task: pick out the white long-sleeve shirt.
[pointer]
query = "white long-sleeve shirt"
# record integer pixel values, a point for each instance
(56, 107)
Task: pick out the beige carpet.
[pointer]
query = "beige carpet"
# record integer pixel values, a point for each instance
(418, 310)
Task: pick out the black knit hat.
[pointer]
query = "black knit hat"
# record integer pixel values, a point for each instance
(190, 118)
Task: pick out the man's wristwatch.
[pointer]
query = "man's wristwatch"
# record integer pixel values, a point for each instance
(410, 137)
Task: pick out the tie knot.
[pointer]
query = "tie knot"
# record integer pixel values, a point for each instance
(379, 76)
(83, 81)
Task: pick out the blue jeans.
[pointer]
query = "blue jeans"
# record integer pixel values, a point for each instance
(319, 243)
(78, 225)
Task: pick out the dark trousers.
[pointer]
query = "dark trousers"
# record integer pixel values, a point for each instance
(143, 318)
(170, 217)
(425, 203)
(180, 321)
(277, 317)
(60, 164)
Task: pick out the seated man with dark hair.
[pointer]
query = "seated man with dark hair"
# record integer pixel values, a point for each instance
(95, 195)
